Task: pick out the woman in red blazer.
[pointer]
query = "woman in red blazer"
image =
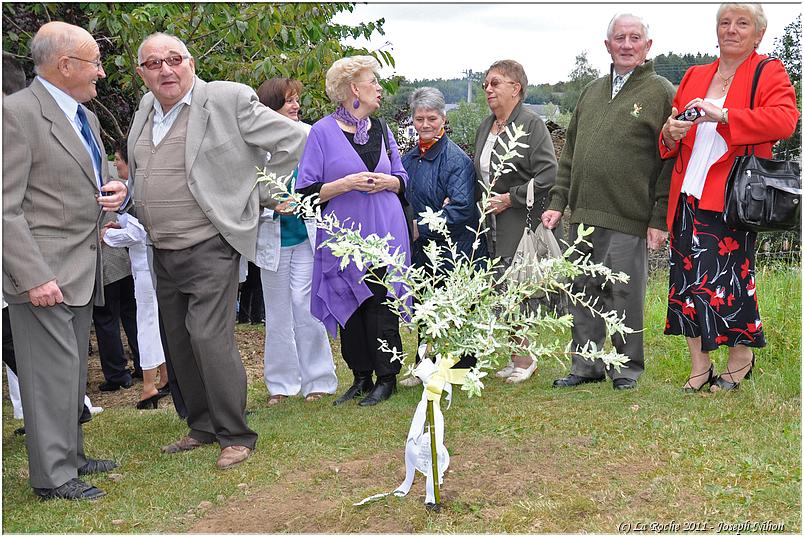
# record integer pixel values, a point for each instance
(712, 298)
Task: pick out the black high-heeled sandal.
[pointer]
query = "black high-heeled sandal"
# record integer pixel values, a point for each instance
(725, 385)
(709, 380)
(152, 403)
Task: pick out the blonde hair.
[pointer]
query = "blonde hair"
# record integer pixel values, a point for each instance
(755, 10)
(343, 72)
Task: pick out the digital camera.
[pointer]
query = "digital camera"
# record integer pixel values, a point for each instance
(691, 114)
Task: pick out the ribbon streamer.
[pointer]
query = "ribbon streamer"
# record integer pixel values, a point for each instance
(437, 378)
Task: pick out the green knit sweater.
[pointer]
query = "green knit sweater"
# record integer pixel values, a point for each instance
(610, 173)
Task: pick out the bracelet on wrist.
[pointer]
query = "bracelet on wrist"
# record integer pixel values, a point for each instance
(724, 115)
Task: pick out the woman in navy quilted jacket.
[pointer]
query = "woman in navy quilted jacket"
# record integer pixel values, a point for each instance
(442, 177)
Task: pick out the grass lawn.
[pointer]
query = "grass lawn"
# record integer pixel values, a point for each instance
(525, 459)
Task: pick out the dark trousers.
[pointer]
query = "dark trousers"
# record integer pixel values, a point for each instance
(621, 253)
(8, 343)
(173, 384)
(252, 308)
(196, 288)
(120, 306)
(372, 320)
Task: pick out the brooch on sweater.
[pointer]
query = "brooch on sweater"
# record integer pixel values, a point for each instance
(637, 109)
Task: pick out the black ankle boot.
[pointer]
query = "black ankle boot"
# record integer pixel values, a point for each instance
(361, 386)
(382, 390)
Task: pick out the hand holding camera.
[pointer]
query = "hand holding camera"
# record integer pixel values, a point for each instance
(691, 114)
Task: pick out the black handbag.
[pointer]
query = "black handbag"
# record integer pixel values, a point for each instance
(762, 194)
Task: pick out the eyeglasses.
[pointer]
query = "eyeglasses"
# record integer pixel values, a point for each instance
(494, 82)
(172, 61)
(97, 63)
(374, 82)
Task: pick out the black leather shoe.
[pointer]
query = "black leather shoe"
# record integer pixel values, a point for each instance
(164, 390)
(575, 380)
(110, 386)
(96, 466)
(385, 387)
(19, 431)
(86, 415)
(361, 386)
(624, 384)
(74, 489)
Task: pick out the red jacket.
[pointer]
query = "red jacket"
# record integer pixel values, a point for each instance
(774, 117)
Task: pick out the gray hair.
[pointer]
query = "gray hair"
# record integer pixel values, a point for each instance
(343, 72)
(427, 98)
(755, 10)
(618, 16)
(182, 46)
(46, 47)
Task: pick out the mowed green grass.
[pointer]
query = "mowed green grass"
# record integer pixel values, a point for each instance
(525, 459)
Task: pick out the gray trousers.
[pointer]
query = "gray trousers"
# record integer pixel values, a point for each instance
(51, 345)
(196, 289)
(621, 253)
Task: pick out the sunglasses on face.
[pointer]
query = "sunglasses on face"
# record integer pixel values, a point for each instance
(172, 61)
(494, 82)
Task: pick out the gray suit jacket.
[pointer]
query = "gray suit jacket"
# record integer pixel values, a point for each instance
(50, 215)
(228, 134)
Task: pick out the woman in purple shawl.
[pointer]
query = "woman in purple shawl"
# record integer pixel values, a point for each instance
(346, 162)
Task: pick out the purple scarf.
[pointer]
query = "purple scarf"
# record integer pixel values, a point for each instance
(361, 136)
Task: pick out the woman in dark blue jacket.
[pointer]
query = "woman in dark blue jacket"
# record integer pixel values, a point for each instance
(442, 177)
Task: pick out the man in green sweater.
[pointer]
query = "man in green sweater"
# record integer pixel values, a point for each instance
(611, 177)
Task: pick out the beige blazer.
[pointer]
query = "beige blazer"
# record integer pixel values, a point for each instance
(50, 215)
(228, 134)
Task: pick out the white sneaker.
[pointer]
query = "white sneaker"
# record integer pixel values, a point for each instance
(410, 381)
(506, 371)
(521, 374)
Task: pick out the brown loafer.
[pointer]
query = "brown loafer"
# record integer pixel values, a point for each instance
(185, 444)
(233, 455)
(276, 399)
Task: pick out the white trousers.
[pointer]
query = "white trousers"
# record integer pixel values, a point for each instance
(298, 356)
(151, 353)
(14, 393)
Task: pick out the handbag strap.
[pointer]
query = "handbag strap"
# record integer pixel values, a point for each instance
(754, 85)
(384, 128)
(529, 204)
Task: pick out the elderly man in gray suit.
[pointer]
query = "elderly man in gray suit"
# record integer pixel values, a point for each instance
(194, 148)
(55, 187)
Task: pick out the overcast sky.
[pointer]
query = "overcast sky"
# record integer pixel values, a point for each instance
(443, 40)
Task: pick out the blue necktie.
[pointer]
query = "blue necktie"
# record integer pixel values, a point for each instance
(86, 132)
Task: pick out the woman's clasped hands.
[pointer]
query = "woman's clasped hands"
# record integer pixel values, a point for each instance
(371, 182)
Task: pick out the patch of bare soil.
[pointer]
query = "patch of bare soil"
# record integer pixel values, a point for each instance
(484, 480)
(250, 340)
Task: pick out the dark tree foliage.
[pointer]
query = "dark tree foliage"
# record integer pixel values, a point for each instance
(241, 42)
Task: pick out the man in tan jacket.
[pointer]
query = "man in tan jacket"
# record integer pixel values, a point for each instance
(194, 148)
(55, 187)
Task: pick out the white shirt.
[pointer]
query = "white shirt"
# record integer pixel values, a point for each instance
(69, 106)
(163, 121)
(709, 146)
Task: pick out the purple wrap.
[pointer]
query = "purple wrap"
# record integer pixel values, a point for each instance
(329, 156)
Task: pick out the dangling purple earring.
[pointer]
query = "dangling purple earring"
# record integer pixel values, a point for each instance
(356, 104)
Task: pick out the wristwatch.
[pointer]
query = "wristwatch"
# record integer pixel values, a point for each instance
(724, 115)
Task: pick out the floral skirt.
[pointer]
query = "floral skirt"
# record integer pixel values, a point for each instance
(712, 286)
